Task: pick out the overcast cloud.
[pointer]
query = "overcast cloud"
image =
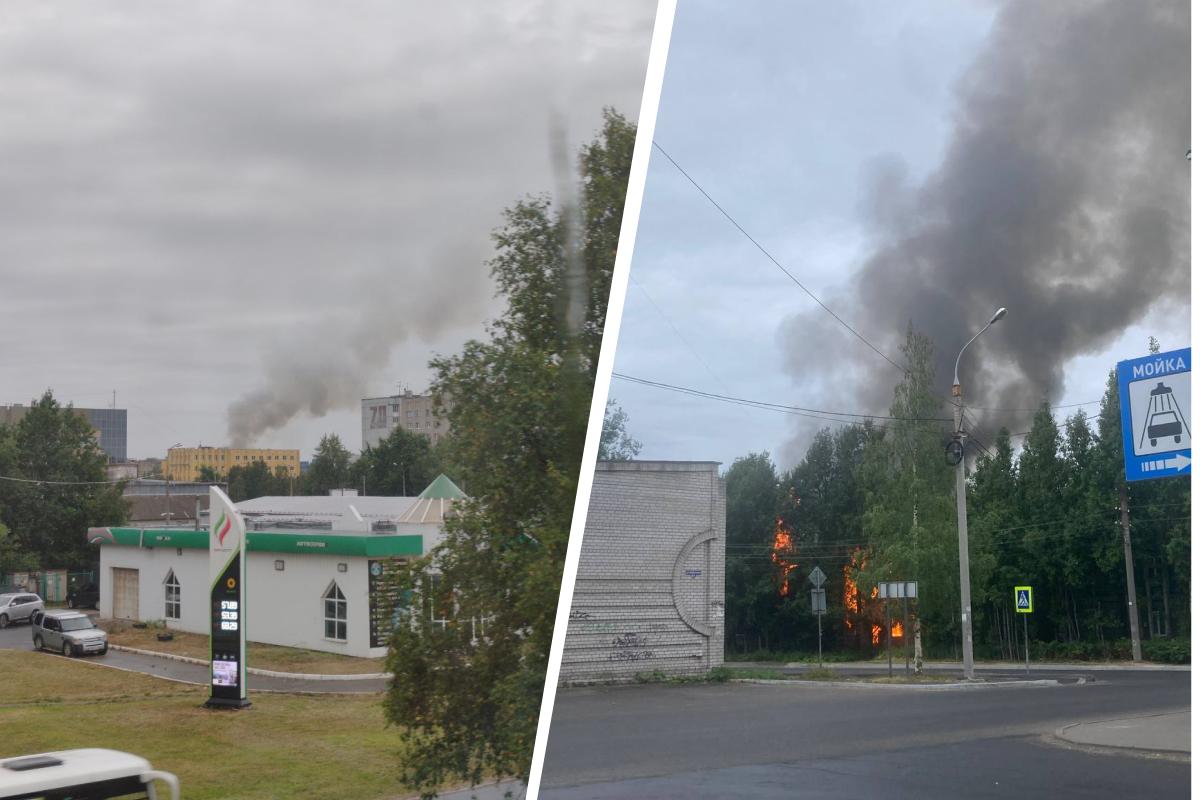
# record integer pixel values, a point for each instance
(283, 205)
(922, 161)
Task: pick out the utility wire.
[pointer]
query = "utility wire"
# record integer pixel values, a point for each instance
(682, 338)
(1035, 410)
(843, 417)
(63, 483)
(775, 261)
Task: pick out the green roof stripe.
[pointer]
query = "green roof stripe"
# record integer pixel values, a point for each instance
(278, 542)
(442, 488)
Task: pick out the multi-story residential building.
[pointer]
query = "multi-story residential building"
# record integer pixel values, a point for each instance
(111, 426)
(416, 413)
(184, 463)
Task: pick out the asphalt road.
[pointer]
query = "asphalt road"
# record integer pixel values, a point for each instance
(20, 637)
(769, 741)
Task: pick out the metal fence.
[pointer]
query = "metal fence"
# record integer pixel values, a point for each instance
(52, 585)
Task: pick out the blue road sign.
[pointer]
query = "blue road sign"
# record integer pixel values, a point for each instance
(1024, 598)
(1156, 401)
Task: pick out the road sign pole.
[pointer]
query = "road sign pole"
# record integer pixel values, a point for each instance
(904, 630)
(820, 663)
(1025, 623)
(1130, 592)
(888, 633)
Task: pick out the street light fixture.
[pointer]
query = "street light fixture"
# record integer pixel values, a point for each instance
(960, 469)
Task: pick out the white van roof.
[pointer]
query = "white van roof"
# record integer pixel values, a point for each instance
(89, 765)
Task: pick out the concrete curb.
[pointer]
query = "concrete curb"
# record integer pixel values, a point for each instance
(1062, 733)
(926, 687)
(266, 673)
(102, 665)
(1084, 666)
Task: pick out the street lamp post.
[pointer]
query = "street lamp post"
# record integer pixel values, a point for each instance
(960, 470)
(167, 475)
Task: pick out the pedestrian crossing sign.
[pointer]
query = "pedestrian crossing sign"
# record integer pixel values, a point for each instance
(1024, 599)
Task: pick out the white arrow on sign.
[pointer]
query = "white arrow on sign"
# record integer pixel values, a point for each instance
(1178, 462)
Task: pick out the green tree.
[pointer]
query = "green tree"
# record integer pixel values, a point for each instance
(209, 474)
(469, 694)
(909, 508)
(615, 442)
(330, 467)
(257, 480)
(63, 489)
(751, 497)
(399, 466)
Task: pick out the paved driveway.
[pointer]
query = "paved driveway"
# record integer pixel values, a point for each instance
(20, 637)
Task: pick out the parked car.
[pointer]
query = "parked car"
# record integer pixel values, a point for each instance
(71, 633)
(86, 596)
(93, 773)
(18, 607)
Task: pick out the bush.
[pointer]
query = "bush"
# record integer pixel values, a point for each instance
(789, 656)
(719, 674)
(1112, 650)
(1168, 651)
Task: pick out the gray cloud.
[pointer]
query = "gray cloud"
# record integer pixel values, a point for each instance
(276, 208)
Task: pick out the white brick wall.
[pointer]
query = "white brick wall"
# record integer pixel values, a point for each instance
(649, 595)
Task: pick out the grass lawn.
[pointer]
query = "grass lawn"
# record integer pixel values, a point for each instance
(261, 656)
(283, 746)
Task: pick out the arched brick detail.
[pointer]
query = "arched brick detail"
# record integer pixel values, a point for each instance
(699, 626)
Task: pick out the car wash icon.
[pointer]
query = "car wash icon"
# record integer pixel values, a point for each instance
(1164, 418)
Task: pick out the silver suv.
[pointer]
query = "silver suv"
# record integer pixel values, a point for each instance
(18, 607)
(68, 632)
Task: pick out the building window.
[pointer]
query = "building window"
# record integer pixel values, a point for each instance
(171, 585)
(335, 613)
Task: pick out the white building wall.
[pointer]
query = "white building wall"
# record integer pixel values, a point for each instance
(282, 607)
(191, 569)
(650, 591)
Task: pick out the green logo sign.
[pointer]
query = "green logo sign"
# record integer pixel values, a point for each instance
(1024, 596)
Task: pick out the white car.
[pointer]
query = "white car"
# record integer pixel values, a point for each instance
(18, 607)
(93, 773)
(68, 632)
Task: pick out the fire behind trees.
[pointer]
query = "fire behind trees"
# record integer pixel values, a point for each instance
(875, 502)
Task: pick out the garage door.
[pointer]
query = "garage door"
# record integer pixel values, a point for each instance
(125, 593)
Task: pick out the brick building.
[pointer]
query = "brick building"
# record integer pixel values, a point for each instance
(416, 413)
(650, 591)
(184, 463)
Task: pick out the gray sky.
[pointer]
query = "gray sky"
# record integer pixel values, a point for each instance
(283, 203)
(927, 161)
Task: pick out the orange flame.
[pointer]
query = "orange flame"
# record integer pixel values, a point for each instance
(897, 630)
(852, 600)
(783, 545)
(876, 632)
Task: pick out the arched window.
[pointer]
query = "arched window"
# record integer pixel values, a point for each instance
(335, 613)
(171, 588)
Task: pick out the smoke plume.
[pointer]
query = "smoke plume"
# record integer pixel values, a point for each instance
(329, 364)
(1063, 195)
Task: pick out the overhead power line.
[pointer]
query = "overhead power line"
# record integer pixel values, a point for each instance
(775, 261)
(63, 483)
(843, 417)
(1035, 410)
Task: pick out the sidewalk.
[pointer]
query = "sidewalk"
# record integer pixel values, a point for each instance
(999, 666)
(1164, 733)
